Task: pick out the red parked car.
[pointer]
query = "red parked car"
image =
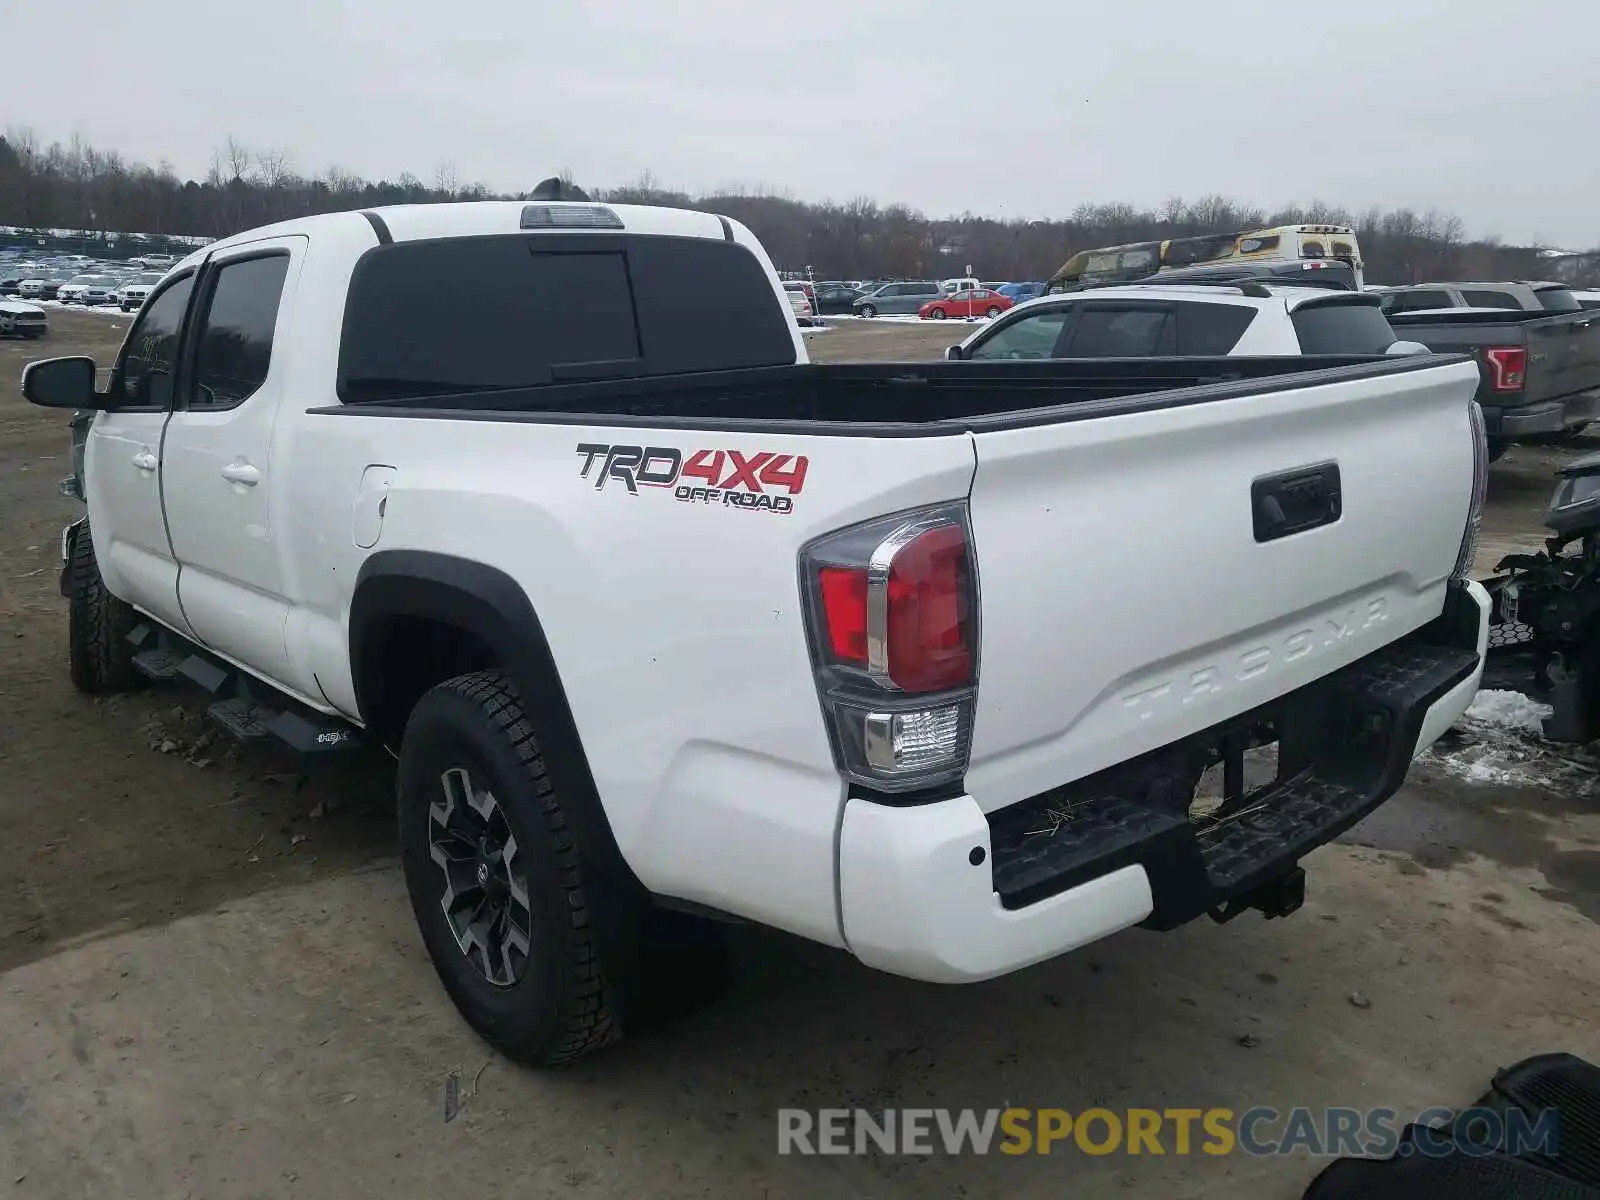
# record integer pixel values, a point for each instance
(974, 302)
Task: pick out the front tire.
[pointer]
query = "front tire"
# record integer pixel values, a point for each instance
(99, 655)
(937, 314)
(991, 312)
(500, 892)
(868, 311)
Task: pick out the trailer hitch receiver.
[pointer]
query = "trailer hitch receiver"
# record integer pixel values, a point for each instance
(1276, 898)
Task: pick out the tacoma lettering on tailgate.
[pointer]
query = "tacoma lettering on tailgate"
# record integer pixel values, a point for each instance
(1210, 679)
(763, 480)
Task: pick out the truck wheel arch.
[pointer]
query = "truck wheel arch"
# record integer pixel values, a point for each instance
(398, 589)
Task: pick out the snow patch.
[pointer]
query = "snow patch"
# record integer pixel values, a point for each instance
(1508, 710)
(1499, 742)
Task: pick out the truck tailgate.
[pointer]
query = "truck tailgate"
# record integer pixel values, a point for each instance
(1563, 356)
(1135, 588)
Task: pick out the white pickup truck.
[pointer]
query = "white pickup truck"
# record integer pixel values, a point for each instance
(922, 661)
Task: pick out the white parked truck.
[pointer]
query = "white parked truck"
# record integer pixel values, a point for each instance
(921, 661)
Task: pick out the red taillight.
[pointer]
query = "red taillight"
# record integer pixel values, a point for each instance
(844, 609)
(1508, 366)
(893, 616)
(927, 619)
(925, 639)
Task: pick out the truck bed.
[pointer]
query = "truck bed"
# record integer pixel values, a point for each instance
(1562, 380)
(878, 399)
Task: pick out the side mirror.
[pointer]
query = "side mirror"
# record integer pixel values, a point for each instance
(60, 383)
(952, 353)
(1407, 348)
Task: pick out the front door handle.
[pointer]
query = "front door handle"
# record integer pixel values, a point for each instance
(145, 460)
(240, 471)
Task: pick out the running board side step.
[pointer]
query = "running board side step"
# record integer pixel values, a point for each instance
(242, 705)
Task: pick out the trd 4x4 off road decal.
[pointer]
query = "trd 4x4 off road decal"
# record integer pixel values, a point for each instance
(763, 480)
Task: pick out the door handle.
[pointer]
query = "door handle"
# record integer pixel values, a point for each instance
(146, 461)
(241, 472)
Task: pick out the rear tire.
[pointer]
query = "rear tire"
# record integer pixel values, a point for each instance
(1497, 448)
(99, 654)
(562, 1003)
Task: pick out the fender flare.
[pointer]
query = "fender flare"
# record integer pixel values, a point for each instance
(491, 606)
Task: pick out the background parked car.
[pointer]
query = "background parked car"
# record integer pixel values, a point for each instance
(835, 298)
(1521, 295)
(798, 304)
(10, 282)
(22, 320)
(88, 289)
(897, 299)
(133, 292)
(1019, 292)
(1164, 320)
(972, 302)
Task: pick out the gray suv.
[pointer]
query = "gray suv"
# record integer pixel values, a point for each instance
(897, 299)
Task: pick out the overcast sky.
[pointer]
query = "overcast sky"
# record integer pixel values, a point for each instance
(1486, 108)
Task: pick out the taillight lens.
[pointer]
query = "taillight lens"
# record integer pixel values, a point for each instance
(1508, 367)
(1480, 490)
(894, 628)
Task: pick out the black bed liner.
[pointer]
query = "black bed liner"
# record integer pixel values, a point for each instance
(895, 399)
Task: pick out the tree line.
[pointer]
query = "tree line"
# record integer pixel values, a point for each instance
(78, 187)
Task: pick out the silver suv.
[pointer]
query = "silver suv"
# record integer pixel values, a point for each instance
(897, 299)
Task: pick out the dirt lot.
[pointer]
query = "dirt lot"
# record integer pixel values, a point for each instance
(210, 984)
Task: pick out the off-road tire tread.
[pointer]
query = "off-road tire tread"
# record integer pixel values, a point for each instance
(587, 1008)
(99, 654)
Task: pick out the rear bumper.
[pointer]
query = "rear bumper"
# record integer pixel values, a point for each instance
(944, 892)
(1551, 416)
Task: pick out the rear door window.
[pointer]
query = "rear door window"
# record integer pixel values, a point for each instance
(1400, 302)
(490, 313)
(1342, 328)
(234, 350)
(1483, 298)
(1211, 329)
(1122, 333)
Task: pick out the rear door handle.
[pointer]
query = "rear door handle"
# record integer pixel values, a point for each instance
(145, 460)
(241, 472)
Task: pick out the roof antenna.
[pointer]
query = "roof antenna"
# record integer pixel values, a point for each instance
(556, 188)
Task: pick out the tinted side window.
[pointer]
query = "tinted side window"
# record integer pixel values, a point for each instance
(1558, 300)
(1212, 328)
(235, 344)
(1031, 337)
(1486, 299)
(1121, 333)
(1399, 302)
(1342, 329)
(144, 376)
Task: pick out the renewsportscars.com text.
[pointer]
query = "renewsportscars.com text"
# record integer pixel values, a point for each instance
(1258, 1131)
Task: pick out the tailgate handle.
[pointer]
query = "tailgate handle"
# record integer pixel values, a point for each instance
(1295, 501)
